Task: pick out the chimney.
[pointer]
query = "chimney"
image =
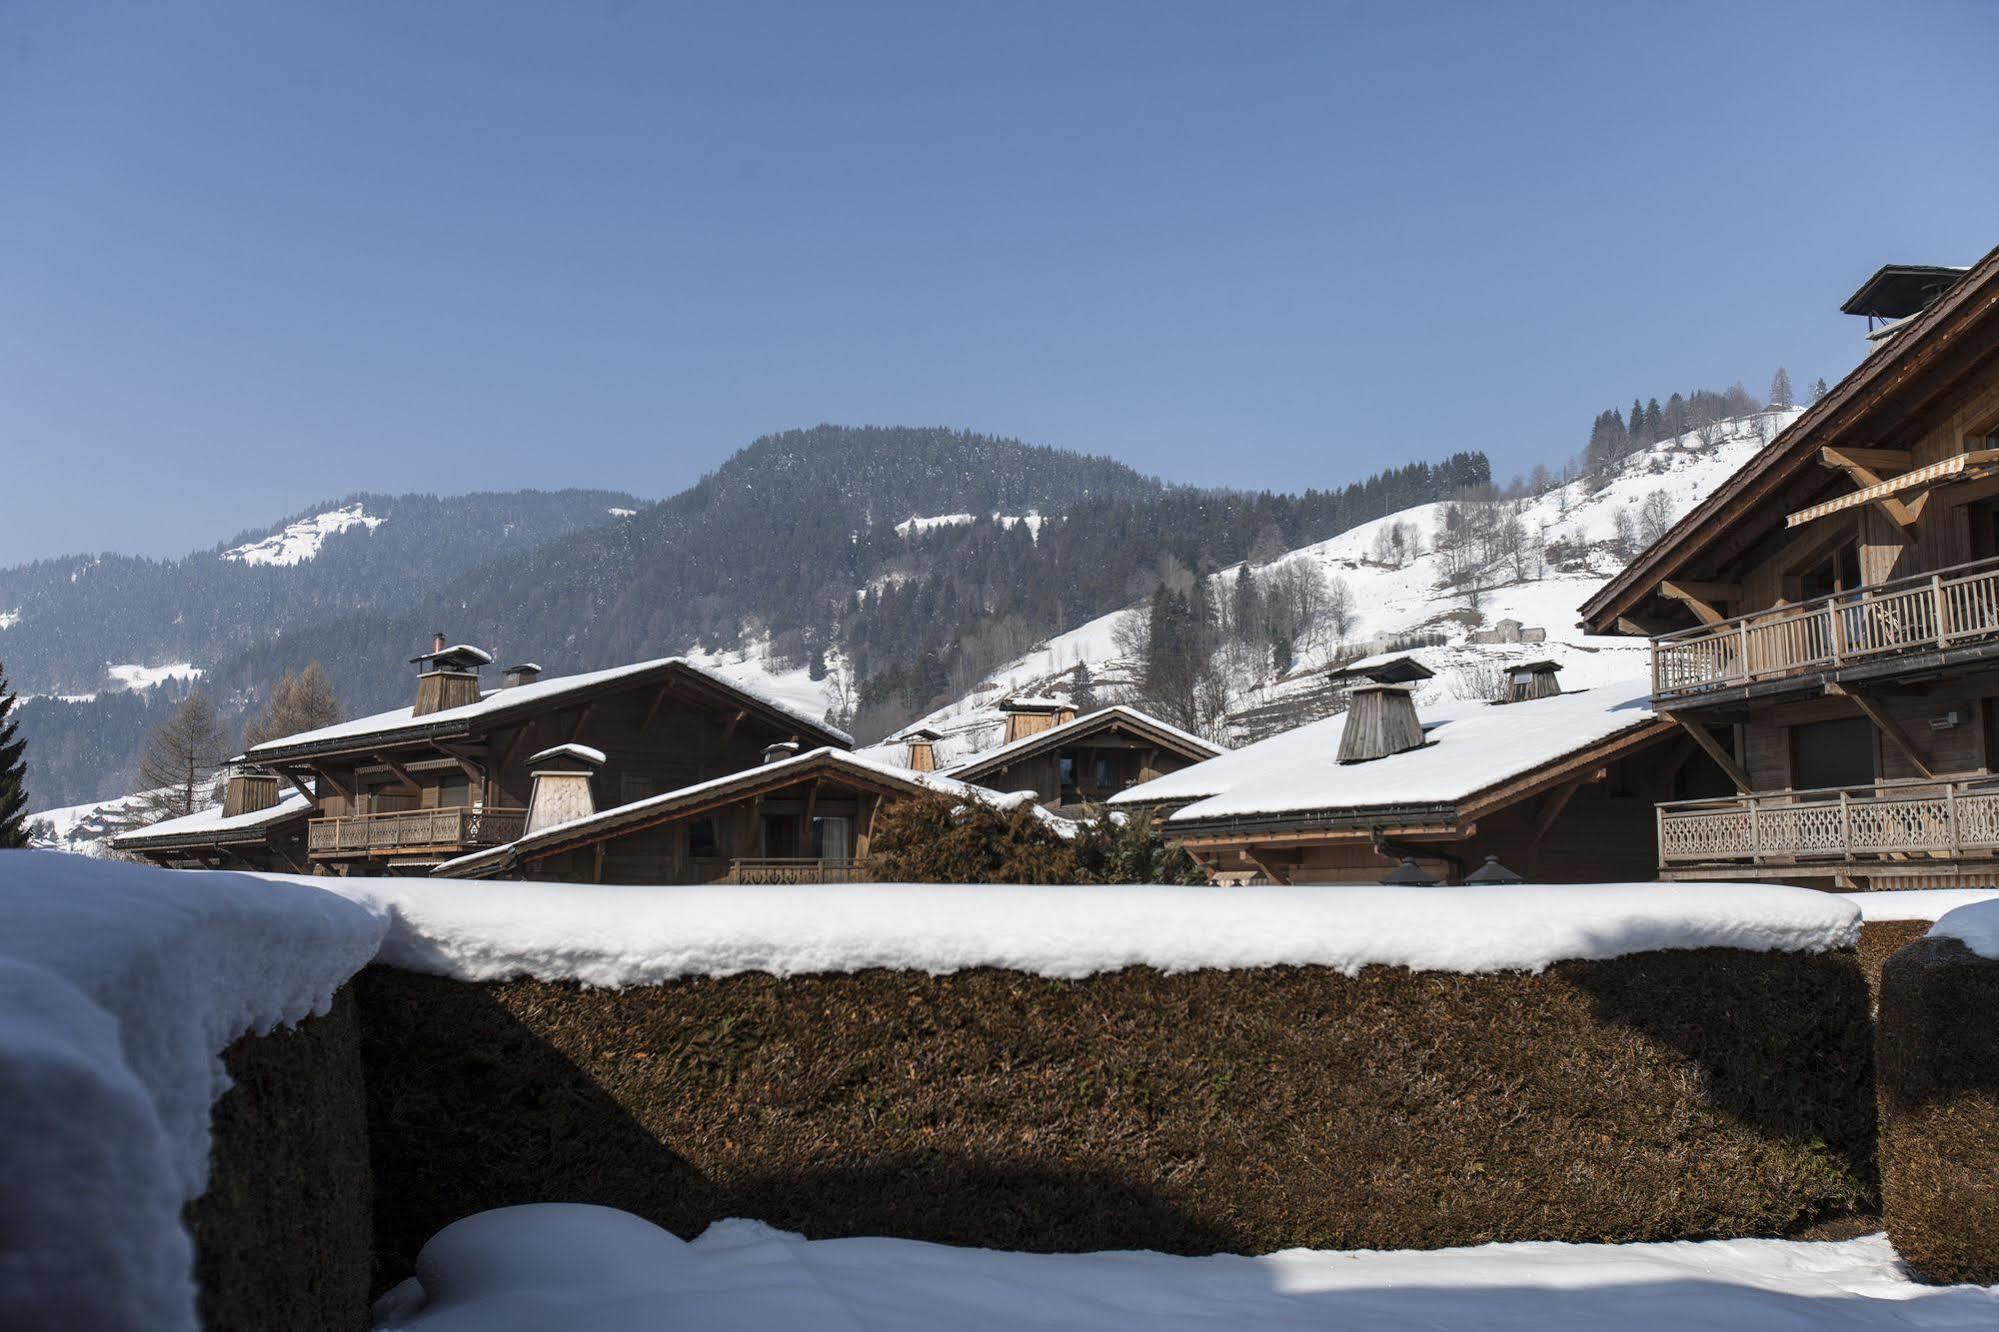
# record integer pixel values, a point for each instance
(922, 744)
(247, 790)
(1031, 716)
(780, 751)
(561, 790)
(1381, 720)
(525, 673)
(447, 677)
(1534, 680)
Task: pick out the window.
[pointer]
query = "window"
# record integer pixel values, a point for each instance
(702, 843)
(454, 790)
(1832, 753)
(1068, 766)
(1104, 775)
(829, 838)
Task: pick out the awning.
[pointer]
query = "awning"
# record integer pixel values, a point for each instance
(1954, 470)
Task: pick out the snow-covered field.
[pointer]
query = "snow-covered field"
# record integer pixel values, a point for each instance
(918, 526)
(553, 1268)
(1389, 600)
(135, 675)
(300, 541)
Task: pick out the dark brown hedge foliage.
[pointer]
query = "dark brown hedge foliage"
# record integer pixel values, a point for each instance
(282, 1237)
(1879, 940)
(1939, 1067)
(938, 841)
(1665, 1095)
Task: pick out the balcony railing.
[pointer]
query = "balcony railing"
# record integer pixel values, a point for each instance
(1885, 821)
(791, 869)
(410, 831)
(1925, 613)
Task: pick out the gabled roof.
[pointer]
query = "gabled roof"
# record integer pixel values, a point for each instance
(690, 800)
(497, 706)
(1887, 371)
(208, 827)
(1115, 717)
(1472, 749)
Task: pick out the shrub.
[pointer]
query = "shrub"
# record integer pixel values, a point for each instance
(1124, 846)
(935, 841)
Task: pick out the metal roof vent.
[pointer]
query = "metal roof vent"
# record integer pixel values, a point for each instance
(1410, 875)
(1493, 872)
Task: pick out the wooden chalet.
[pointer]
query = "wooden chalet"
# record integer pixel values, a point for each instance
(796, 818)
(402, 791)
(1558, 787)
(256, 827)
(1070, 761)
(1826, 623)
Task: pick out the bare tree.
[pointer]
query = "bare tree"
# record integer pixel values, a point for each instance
(1624, 534)
(183, 756)
(302, 702)
(1655, 515)
(1339, 609)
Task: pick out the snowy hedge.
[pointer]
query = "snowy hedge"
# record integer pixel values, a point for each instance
(1199, 1070)
(121, 987)
(1939, 1069)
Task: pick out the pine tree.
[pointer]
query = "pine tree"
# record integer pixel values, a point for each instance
(1780, 388)
(183, 756)
(13, 774)
(1819, 389)
(1655, 425)
(1083, 689)
(1637, 425)
(302, 702)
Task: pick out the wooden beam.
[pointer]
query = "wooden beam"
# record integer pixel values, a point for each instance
(401, 773)
(1551, 808)
(653, 711)
(805, 824)
(1890, 730)
(298, 785)
(1722, 758)
(582, 716)
(473, 772)
(323, 775)
(597, 863)
(1698, 597)
(1885, 463)
(1900, 512)
(1276, 865)
(1636, 628)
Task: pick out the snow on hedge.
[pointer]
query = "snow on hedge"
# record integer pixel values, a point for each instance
(1976, 926)
(120, 985)
(1916, 903)
(617, 935)
(557, 1267)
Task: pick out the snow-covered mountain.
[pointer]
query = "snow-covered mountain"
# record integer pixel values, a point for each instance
(1576, 536)
(295, 543)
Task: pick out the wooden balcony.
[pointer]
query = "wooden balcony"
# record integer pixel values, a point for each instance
(413, 832)
(1929, 613)
(1886, 823)
(792, 869)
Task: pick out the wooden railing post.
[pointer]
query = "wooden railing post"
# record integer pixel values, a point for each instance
(1845, 826)
(1942, 610)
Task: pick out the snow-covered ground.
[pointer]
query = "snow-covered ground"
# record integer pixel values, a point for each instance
(621, 513)
(618, 935)
(300, 541)
(10, 618)
(84, 829)
(750, 666)
(120, 986)
(556, 1267)
(918, 526)
(1391, 600)
(135, 675)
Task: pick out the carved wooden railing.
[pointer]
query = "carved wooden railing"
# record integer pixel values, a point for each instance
(1924, 613)
(796, 869)
(452, 828)
(1886, 820)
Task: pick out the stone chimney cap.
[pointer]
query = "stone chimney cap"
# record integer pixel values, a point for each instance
(458, 656)
(580, 753)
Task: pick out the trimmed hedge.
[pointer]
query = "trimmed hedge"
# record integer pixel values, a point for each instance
(1880, 940)
(282, 1234)
(1939, 1071)
(1665, 1095)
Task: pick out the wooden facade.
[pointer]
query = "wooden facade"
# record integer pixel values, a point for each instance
(805, 819)
(1827, 625)
(1086, 760)
(413, 789)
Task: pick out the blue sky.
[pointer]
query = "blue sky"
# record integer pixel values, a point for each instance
(256, 255)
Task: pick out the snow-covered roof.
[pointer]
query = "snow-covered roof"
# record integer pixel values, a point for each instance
(497, 703)
(1033, 703)
(778, 772)
(642, 934)
(1087, 724)
(210, 825)
(594, 757)
(1471, 746)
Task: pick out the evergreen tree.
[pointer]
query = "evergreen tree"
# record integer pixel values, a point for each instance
(302, 702)
(13, 774)
(183, 756)
(1819, 389)
(1083, 689)
(1780, 388)
(1124, 846)
(1636, 428)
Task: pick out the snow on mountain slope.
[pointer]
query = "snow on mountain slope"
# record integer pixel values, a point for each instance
(918, 526)
(750, 667)
(1572, 533)
(10, 618)
(300, 541)
(133, 675)
(84, 829)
